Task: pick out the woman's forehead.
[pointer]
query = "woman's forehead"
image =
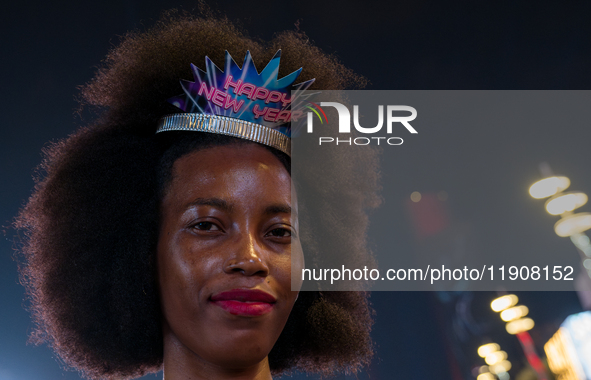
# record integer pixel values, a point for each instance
(230, 172)
(246, 159)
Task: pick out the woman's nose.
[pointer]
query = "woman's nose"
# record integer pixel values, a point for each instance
(247, 258)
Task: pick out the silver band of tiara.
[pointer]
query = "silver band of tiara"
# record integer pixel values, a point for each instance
(226, 126)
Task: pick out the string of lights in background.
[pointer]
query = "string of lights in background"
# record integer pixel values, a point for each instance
(562, 203)
(519, 325)
(497, 364)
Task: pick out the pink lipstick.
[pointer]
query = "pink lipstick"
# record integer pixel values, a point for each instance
(244, 302)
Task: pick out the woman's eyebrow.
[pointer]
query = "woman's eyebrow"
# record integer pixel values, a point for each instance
(278, 209)
(214, 202)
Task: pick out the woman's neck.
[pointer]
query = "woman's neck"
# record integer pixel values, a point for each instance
(180, 363)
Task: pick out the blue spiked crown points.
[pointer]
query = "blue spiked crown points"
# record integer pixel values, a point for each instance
(243, 93)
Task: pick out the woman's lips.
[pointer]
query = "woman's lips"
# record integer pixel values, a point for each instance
(244, 302)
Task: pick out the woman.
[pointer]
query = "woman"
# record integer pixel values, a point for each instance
(173, 249)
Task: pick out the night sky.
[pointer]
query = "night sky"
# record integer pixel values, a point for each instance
(49, 49)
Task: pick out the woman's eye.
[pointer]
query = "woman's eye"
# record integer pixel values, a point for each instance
(280, 232)
(206, 226)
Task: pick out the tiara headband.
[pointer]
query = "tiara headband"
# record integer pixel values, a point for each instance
(238, 102)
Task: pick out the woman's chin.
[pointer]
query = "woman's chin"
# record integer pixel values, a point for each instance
(240, 357)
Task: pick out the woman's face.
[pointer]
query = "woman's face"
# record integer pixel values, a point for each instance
(224, 256)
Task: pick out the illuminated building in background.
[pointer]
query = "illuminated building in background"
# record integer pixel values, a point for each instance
(569, 350)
